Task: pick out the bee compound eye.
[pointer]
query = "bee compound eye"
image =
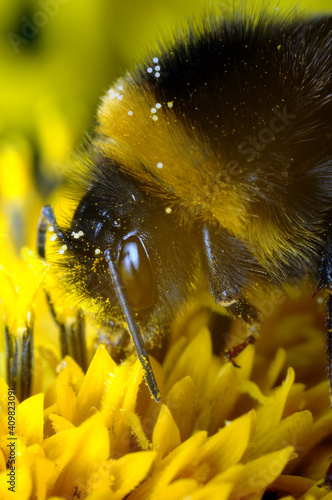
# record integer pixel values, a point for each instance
(137, 273)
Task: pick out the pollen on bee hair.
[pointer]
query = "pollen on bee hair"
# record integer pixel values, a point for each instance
(114, 94)
(77, 235)
(63, 249)
(160, 164)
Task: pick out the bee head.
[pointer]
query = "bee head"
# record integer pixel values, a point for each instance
(155, 260)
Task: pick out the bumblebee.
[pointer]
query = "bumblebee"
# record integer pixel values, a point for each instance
(210, 168)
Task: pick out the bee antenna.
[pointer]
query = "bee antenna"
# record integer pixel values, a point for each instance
(132, 324)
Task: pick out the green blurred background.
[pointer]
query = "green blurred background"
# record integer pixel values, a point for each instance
(57, 57)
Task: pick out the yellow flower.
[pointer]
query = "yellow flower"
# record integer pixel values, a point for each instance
(220, 431)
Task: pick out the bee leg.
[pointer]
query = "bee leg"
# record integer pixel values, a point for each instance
(329, 340)
(327, 483)
(47, 220)
(229, 266)
(236, 350)
(325, 281)
(245, 311)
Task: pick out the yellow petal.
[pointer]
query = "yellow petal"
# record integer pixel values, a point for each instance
(72, 375)
(222, 395)
(213, 492)
(227, 446)
(322, 428)
(249, 387)
(3, 461)
(30, 419)
(178, 490)
(295, 485)
(115, 386)
(134, 380)
(75, 449)
(274, 369)
(8, 298)
(94, 385)
(169, 468)
(115, 479)
(293, 430)
(166, 435)
(116, 406)
(43, 470)
(22, 283)
(316, 492)
(232, 475)
(130, 470)
(187, 363)
(260, 473)
(182, 456)
(182, 402)
(317, 398)
(103, 493)
(172, 356)
(54, 498)
(133, 422)
(270, 413)
(60, 424)
(66, 397)
(20, 484)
